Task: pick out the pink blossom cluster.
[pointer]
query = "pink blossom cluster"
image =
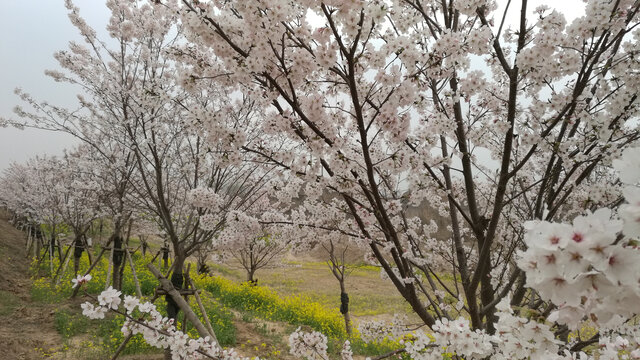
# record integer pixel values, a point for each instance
(80, 279)
(592, 267)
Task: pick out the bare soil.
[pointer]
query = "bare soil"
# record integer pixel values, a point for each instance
(26, 328)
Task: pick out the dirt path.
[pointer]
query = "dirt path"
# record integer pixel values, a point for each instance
(27, 328)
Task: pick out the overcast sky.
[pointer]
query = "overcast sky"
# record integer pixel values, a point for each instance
(33, 30)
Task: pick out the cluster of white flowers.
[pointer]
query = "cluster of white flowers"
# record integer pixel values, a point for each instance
(130, 303)
(308, 345)
(204, 197)
(469, 7)
(79, 280)
(160, 332)
(93, 312)
(612, 348)
(456, 336)
(421, 347)
(516, 338)
(373, 330)
(593, 267)
(628, 166)
(156, 330)
(521, 338)
(346, 353)
(110, 298)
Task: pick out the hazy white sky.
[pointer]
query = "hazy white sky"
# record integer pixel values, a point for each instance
(33, 30)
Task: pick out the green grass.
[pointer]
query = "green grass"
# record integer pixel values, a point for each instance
(223, 270)
(70, 324)
(220, 317)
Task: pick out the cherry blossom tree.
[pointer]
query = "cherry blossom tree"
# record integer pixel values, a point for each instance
(56, 192)
(35, 191)
(141, 124)
(252, 253)
(16, 197)
(104, 77)
(492, 125)
(80, 204)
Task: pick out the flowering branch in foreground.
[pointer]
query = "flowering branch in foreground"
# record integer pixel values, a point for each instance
(157, 331)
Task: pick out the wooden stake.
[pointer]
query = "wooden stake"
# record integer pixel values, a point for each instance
(88, 249)
(106, 285)
(51, 256)
(185, 322)
(155, 257)
(133, 271)
(67, 257)
(207, 322)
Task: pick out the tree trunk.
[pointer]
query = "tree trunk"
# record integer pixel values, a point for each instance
(177, 280)
(144, 245)
(165, 256)
(250, 277)
(77, 254)
(123, 247)
(202, 265)
(89, 250)
(39, 243)
(29, 240)
(59, 246)
(486, 294)
(347, 323)
(52, 247)
(344, 307)
(117, 261)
